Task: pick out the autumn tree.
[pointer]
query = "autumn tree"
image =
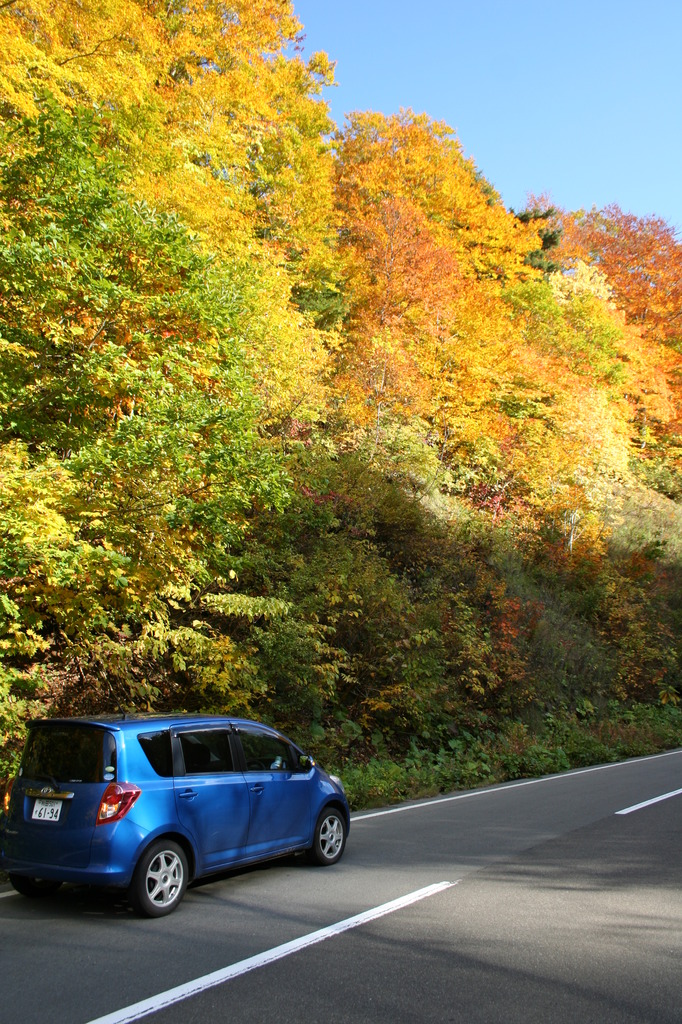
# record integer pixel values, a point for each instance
(428, 246)
(220, 120)
(304, 424)
(641, 257)
(130, 450)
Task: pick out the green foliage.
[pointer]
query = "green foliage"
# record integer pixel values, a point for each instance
(565, 741)
(18, 691)
(550, 235)
(579, 329)
(661, 474)
(129, 445)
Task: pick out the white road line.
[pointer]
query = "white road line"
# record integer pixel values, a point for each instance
(174, 995)
(401, 808)
(648, 803)
(4, 895)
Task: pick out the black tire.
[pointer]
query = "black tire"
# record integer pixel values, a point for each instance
(33, 887)
(160, 879)
(330, 837)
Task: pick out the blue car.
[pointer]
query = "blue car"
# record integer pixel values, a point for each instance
(148, 804)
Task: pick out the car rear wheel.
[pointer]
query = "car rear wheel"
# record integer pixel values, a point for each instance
(33, 886)
(160, 879)
(330, 837)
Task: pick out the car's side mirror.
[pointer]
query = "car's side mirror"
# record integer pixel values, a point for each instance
(305, 762)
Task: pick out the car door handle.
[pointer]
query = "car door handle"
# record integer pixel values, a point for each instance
(187, 794)
(257, 789)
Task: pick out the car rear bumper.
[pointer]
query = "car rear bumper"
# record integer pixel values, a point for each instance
(113, 854)
(80, 876)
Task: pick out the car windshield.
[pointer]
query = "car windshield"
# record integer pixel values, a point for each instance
(68, 753)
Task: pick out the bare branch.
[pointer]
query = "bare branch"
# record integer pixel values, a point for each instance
(90, 53)
(105, 324)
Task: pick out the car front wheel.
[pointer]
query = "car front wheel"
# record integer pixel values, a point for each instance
(330, 837)
(33, 886)
(160, 879)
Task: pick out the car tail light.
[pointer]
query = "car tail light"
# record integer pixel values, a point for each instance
(8, 793)
(116, 801)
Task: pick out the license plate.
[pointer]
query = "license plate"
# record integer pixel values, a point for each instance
(47, 810)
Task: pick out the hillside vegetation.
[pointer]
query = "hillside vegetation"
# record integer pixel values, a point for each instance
(298, 422)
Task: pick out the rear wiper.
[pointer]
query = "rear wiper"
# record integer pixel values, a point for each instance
(48, 778)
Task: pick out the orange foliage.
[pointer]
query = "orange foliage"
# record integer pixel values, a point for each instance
(642, 259)
(427, 244)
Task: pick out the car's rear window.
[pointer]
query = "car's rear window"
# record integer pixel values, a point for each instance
(157, 748)
(69, 753)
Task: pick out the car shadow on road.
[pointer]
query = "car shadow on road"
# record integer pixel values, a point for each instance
(72, 901)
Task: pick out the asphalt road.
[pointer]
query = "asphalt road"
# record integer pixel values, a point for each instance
(530, 902)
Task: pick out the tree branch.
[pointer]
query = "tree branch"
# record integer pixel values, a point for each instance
(90, 53)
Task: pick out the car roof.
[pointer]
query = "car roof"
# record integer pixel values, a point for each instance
(130, 722)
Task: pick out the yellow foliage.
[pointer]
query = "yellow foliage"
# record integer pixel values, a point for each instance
(582, 278)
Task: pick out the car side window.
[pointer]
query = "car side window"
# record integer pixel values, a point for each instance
(157, 748)
(264, 752)
(206, 751)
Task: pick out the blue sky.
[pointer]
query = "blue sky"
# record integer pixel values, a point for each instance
(581, 100)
